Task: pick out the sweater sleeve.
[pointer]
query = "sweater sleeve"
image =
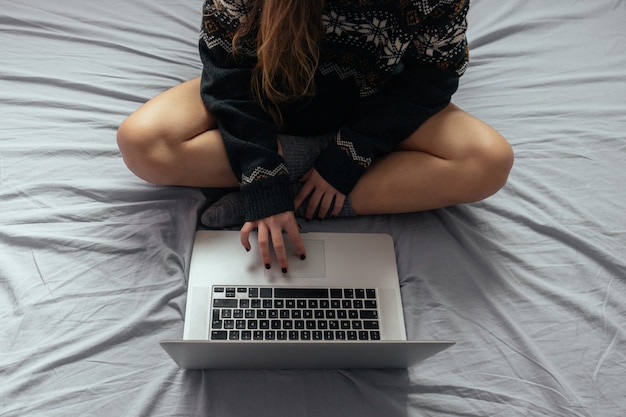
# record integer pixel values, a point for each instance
(427, 75)
(248, 131)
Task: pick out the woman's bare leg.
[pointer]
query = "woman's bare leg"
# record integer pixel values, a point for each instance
(173, 140)
(452, 158)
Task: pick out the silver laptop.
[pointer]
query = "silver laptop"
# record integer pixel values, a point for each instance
(339, 308)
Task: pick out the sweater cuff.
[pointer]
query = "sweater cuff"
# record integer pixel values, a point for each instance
(267, 197)
(341, 165)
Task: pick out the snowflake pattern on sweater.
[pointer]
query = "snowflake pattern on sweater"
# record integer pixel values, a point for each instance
(402, 57)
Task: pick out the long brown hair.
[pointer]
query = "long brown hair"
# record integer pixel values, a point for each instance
(288, 34)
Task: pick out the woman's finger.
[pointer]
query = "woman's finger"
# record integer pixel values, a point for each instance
(314, 202)
(264, 245)
(244, 235)
(279, 247)
(340, 200)
(293, 231)
(325, 205)
(304, 192)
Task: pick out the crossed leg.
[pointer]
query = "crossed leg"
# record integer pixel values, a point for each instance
(173, 140)
(452, 158)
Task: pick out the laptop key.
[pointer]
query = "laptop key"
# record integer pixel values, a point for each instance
(219, 335)
(368, 314)
(370, 324)
(301, 293)
(224, 303)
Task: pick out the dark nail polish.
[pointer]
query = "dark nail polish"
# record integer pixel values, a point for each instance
(247, 249)
(303, 256)
(267, 266)
(284, 270)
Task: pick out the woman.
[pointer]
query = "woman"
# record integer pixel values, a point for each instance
(376, 75)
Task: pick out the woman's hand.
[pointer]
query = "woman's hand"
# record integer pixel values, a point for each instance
(323, 196)
(272, 227)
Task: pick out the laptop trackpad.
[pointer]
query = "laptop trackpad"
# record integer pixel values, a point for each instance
(314, 266)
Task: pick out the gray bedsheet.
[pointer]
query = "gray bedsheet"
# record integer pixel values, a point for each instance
(530, 283)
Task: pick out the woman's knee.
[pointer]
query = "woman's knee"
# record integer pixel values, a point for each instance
(492, 158)
(142, 146)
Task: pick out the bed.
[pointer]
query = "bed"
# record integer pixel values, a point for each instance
(531, 283)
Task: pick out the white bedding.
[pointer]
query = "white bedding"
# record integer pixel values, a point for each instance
(530, 283)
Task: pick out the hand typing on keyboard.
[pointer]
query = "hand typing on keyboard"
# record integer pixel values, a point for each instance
(272, 227)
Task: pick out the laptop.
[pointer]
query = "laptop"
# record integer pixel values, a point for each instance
(340, 308)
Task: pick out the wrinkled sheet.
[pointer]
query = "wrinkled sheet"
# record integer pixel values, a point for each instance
(93, 261)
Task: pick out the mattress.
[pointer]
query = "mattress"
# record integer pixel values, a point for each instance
(530, 283)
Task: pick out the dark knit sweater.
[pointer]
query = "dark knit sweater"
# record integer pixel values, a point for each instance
(385, 67)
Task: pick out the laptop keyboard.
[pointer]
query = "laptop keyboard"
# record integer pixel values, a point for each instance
(302, 314)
